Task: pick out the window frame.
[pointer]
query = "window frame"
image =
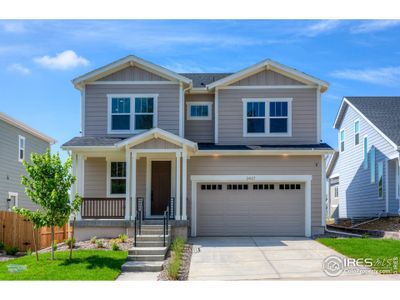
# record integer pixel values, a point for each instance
(336, 191)
(340, 140)
(380, 180)
(132, 99)
(373, 163)
(189, 105)
(109, 178)
(397, 180)
(355, 133)
(21, 138)
(267, 117)
(365, 152)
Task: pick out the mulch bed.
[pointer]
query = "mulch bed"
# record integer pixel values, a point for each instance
(184, 268)
(4, 256)
(386, 224)
(87, 245)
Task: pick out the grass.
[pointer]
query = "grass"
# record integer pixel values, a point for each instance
(381, 251)
(85, 265)
(177, 250)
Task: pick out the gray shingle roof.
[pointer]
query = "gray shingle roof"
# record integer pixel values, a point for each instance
(92, 141)
(202, 79)
(383, 112)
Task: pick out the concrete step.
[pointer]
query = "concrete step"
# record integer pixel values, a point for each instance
(152, 237)
(142, 266)
(145, 257)
(151, 243)
(148, 251)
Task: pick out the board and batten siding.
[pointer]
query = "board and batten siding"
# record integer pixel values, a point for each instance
(304, 116)
(200, 131)
(267, 77)
(96, 105)
(155, 144)
(263, 165)
(132, 74)
(10, 168)
(358, 196)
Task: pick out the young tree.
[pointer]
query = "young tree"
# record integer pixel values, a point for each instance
(47, 185)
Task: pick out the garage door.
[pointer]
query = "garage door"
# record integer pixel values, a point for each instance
(257, 209)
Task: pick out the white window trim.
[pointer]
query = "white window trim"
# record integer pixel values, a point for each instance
(132, 112)
(267, 117)
(365, 154)
(380, 168)
(193, 118)
(20, 137)
(372, 164)
(336, 189)
(340, 140)
(11, 194)
(398, 179)
(359, 129)
(109, 161)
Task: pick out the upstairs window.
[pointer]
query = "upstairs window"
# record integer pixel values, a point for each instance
(365, 153)
(266, 117)
(380, 179)
(372, 154)
(356, 132)
(118, 178)
(341, 137)
(336, 191)
(398, 180)
(199, 111)
(21, 148)
(131, 113)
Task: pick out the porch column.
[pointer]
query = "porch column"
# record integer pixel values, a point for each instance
(80, 173)
(128, 184)
(74, 187)
(178, 187)
(184, 185)
(133, 185)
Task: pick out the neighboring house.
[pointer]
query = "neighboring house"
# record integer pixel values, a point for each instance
(17, 142)
(229, 154)
(364, 173)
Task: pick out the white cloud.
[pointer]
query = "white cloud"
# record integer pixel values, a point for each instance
(320, 28)
(13, 26)
(388, 76)
(372, 26)
(62, 61)
(18, 68)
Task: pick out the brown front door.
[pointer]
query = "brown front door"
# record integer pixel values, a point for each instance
(160, 186)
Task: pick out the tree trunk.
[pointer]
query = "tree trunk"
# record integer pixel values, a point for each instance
(72, 238)
(52, 242)
(34, 244)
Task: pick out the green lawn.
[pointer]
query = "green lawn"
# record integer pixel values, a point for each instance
(381, 251)
(85, 265)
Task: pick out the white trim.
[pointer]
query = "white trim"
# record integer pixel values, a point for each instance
(319, 115)
(216, 118)
(386, 185)
(133, 185)
(340, 140)
(28, 129)
(132, 113)
(365, 153)
(129, 82)
(335, 124)
(199, 91)
(263, 87)
(128, 156)
(109, 161)
(195, 179)
(184, 185)
(13, 194)
(21, 138)
(323, 191)
(189, 105)
(398, 180)
(178, 187)
(181, 110)
(354, 132)
(334, 175)
(267, 117)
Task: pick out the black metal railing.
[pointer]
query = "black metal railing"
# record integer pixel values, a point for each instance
(171, 207)
(138, 223)
(165, 227)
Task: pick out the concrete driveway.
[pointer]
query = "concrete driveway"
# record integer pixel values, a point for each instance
(257, 258)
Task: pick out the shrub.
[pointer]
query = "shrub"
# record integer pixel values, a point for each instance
(11, 250)
(177, 247)
(114, 245)
(70, 242)
(99, 244)
(1, 246)
(123, 237)
(29, 252)
(93, 240)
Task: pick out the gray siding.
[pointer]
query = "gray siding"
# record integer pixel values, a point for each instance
(267, 78)
(201, 131)
(132, 74)
(263, 165)
(10, 168)
(95, 177)
(96, 105)
(393, 201)
(304, 116)
(358, 196)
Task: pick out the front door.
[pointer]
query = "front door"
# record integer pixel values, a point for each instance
(160, 186)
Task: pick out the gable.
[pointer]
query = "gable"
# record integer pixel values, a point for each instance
(132, 73)
(266, 77)
(155, 143)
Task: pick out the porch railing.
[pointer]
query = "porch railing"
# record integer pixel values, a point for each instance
(103, 208)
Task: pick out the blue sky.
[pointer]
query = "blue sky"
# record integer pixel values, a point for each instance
(38, 59)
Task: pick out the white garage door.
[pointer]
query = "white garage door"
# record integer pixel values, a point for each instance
(256, 209)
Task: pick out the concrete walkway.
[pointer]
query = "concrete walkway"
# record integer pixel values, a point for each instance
(259, 258)
(138, 276)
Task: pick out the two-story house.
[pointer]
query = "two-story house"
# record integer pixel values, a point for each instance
(229, 154)
(364, 175)
(17, 142)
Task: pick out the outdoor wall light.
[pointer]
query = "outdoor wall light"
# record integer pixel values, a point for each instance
(8, 204)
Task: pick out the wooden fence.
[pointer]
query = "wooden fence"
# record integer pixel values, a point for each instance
(18, 232)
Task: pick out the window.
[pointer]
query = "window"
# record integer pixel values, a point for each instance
(237, 187)
(372, 153)
(356, 132)
(288, 186)
(365, 153)
(199, 110)
(118, 178)
(398, 180)
(131, 113)
(336, 191)
(263, 187)
(21, 148)
(267, 117)
(380, 179)
(208, 187)
(342, 140)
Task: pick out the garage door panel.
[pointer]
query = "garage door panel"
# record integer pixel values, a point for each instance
(228, 212)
